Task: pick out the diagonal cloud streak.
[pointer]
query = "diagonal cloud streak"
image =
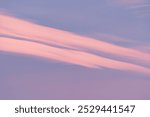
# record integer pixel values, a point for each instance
(16, 27)
(139, 6)
(129, 2)
(45, 42)
(65, 55)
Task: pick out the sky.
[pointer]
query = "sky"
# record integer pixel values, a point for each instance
(89, 49)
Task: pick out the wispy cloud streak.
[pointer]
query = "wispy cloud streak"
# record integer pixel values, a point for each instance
(129, 2)
(42, 41)
(141, 7)
(16, 27)
(65, 55)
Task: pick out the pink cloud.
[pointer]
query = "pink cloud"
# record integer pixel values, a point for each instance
(34, 32)
(65, 55)
(47, 43)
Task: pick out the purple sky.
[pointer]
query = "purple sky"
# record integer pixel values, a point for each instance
(124, 23)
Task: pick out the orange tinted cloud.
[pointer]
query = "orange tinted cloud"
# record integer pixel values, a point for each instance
(34, 32)
(65, 55)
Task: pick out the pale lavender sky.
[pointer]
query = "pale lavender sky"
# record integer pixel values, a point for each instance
(126, 24)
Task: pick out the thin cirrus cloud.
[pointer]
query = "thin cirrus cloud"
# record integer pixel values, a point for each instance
(34, 32)
(141, 7)
(65, 55)
(129, 2)
(112, 38)
(45, 42)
